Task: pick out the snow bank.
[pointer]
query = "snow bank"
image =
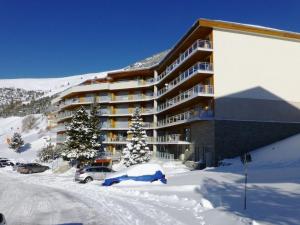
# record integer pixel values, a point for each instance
(138, 170)
(281, 153)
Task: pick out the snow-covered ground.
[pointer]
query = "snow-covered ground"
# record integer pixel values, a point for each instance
(34, 139)
(212, 196)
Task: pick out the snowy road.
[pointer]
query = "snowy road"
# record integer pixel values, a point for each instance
(48, 199)
(24, 203)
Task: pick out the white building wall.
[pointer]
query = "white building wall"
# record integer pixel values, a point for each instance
(244, 61)
(256, 78)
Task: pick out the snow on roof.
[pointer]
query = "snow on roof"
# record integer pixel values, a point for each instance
(258, 26)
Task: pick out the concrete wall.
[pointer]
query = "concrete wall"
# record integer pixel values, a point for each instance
(203, 141)
(235, 137)
(256, 78)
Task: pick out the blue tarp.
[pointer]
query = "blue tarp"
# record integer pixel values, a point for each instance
(149, 178)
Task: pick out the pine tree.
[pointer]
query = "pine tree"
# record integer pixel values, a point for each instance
(80, 138)
(16, 142)
(94, 124)
(137, 150)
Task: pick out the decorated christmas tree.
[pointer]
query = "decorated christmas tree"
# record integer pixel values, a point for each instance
(137, 150)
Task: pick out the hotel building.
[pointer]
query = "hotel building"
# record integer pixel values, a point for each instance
(223, 89)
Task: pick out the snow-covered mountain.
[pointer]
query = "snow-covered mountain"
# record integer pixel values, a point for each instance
(148, 62)
(25, 90)
(10, 95)
(50, 86)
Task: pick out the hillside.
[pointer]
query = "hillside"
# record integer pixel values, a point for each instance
(148, 62)
(34, 136)
(50, 86)
(20, 97)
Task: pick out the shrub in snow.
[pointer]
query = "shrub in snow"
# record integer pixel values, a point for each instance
(82, 140)
(137, 150)
(28, 122)
(49, 153)
(16, 142)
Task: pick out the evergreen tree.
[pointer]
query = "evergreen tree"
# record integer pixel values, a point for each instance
(94, 124)
(80, 141)
(137, 150)
(16, 142)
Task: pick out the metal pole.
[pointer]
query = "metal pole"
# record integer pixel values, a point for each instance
(246, 177)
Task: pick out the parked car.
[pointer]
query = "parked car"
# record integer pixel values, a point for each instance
(32, 168)
(6, 162)
(17, 165)
(91, 173)
(2, 219)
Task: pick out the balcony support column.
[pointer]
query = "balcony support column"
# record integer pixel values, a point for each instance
(154, 115)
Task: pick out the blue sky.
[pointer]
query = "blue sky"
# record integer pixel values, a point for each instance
(52, 38)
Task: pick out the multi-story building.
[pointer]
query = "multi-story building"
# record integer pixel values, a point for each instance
(223, 89)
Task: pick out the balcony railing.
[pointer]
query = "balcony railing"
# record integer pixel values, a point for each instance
(146, 82)
(194, 91)
(125, 126)
(198, 67)
(65, 114)
(164, 155)
(193, 48)
(169, 138)
(121, 97)
(116, 139)
(61, 127)
(125, 139)
(185, 116)
(72, 101)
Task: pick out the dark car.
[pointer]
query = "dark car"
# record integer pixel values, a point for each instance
(6, 162)
(2, 219)
(17, 165)
(32, 168)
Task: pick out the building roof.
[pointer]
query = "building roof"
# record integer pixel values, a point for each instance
(261, 30)
(206, 24)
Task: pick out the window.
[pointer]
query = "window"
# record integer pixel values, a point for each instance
(187, 134)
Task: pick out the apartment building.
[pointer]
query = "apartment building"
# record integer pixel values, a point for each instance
(223, 89)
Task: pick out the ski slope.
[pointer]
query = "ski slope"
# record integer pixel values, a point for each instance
(34, 139)
(49, 85)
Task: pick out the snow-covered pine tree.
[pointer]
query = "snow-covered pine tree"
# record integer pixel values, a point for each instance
(137, 150)
(94, 124)
(16, 142)
(78, 144)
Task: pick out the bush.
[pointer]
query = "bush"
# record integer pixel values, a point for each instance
(49, 153)
(28, 122)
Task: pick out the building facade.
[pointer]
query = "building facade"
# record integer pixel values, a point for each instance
(222, 90)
